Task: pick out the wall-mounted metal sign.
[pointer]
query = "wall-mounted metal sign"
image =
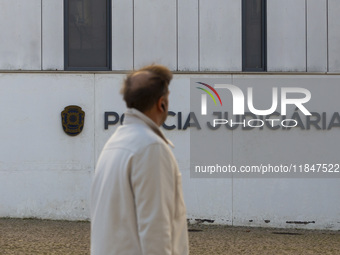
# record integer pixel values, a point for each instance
(73, 118)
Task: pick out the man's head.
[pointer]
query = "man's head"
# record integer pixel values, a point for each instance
(147, 91)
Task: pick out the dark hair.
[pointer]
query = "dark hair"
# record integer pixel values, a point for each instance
(142, 88)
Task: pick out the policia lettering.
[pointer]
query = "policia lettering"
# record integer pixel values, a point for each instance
(112, 118)
(248, 121)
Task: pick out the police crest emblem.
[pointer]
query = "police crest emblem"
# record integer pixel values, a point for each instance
(73, 118)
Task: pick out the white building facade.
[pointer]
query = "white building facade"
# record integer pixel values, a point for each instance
(46, 173)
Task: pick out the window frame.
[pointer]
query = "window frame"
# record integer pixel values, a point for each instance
(263, 68)
(108, 66)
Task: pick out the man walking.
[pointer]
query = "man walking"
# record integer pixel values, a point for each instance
(137, 204)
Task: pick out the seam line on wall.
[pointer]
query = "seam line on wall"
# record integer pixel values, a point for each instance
(133, 34)
(199, 36)
(306, 33)
(177, 35)
(232, 162)
(327, 17)
(41, 36)
(94, 124)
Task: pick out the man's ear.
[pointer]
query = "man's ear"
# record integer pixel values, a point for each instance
(161, 104)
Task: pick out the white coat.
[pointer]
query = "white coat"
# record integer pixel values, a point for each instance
(137, 206)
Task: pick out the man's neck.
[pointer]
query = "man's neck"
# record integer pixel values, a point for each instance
(153, 116)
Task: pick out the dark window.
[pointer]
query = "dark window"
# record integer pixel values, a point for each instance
(254, 35)
(87, 34)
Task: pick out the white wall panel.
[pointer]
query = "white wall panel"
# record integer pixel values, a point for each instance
(317, 36)
(188, 35)
(33, 117)
(107, 99)
(122, 34)
(200, 190)
(286, 35)
(294, 199)
(53, 35)
(46, 171)
(220, 35)
(62, 195)
(20, 26)
(274, 202)
(155, 36)
(334, 35)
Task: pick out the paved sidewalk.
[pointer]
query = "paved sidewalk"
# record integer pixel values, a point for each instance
(31, 236)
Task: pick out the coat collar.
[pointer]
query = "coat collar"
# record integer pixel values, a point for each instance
(133, 115)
